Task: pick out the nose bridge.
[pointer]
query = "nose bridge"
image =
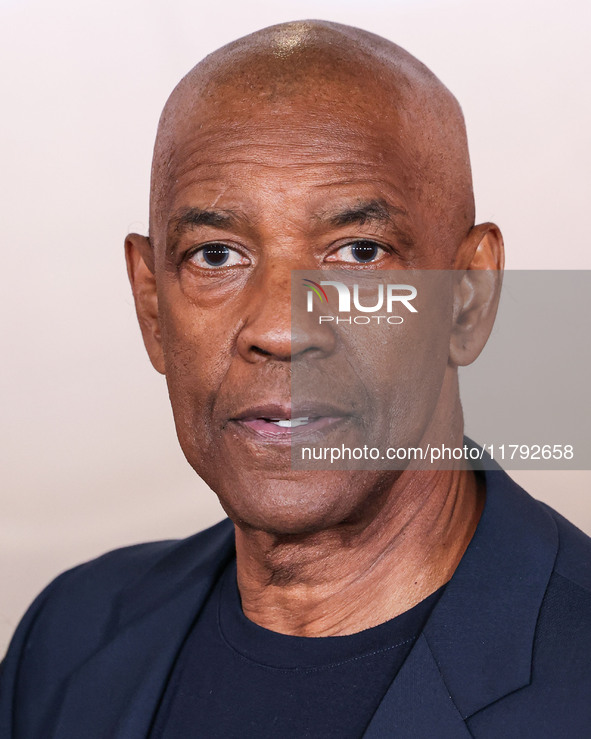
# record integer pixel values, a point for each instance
(268, 331)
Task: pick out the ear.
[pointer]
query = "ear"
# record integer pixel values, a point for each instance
(139, 256)
(480, 260)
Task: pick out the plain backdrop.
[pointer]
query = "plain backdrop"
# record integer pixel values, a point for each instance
(90, 459)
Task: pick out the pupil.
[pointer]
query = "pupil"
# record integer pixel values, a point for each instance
(365, 251)
(216, 254)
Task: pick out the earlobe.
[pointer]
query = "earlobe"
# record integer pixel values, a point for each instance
(480, 261)
(139, 256)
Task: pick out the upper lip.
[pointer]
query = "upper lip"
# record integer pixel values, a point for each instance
(285, 411)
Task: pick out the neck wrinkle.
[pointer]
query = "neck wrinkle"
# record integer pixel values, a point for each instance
(343, 581)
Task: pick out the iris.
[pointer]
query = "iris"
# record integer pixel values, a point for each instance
(215, 254)
(364, 251)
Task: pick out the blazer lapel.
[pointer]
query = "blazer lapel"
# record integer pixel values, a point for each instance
(477, 645)
(482, 630)
(418, 705)
(116, 693)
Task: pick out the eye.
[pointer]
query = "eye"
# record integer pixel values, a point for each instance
(362, 251)
(212, 256)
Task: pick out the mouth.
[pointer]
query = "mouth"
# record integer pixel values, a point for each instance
(280, 423)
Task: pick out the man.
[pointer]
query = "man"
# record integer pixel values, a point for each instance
(406, 603)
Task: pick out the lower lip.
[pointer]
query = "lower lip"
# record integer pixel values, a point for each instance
(268, 430)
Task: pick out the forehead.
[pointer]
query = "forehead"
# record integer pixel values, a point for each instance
(296, 151)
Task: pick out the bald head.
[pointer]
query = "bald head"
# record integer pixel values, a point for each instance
(342, 78)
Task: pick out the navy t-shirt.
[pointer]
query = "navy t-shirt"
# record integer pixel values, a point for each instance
(236, 679)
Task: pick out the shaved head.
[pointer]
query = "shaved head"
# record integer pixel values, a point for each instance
(346, 80)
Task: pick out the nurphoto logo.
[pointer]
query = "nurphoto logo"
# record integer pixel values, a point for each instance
(387, 298)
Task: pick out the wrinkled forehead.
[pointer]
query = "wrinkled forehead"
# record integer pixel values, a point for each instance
(328, 128)
(286, 165)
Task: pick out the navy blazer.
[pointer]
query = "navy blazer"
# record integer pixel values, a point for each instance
(505, 653)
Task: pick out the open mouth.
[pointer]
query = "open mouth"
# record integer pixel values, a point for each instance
(279, 422)
(287, 427)
(290, 423)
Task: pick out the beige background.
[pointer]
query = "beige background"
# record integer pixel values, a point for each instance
(89, 455)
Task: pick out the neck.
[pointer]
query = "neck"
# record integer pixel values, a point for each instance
(355, 576)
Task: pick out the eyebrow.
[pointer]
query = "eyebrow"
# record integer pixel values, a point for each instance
(193, 217)
(374, 212)
(189, 218)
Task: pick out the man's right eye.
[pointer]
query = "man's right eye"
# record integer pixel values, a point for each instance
(212, 256)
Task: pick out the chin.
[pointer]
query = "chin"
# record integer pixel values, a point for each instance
(289, 507)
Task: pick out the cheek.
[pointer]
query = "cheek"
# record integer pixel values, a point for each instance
(423, 367)
(196, 361)
(400, 368)
(404, 385)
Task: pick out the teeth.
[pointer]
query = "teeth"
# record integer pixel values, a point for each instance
(290, 423)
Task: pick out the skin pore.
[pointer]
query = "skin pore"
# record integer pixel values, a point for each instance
(260, 151)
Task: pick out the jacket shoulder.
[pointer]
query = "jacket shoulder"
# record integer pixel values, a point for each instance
(79, 611)
(573, 561)
(90, 592)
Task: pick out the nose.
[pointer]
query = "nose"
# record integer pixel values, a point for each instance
(277, 324)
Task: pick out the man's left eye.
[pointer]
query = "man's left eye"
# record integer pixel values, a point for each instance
(216, 255)
(358, 252)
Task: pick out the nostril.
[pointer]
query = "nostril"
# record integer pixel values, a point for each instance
(260, 352)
